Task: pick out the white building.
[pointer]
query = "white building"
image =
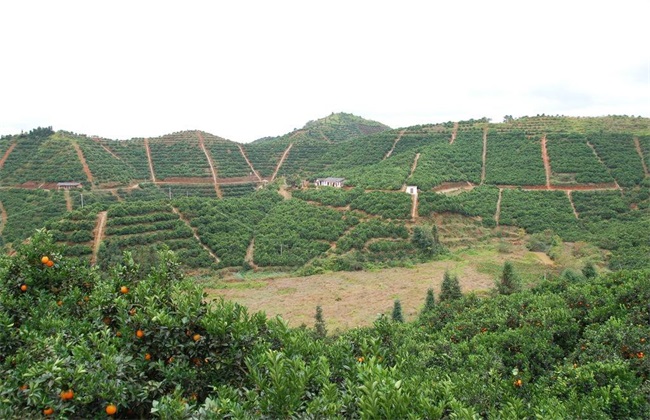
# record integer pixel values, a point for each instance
(412, 189)
(330, 182)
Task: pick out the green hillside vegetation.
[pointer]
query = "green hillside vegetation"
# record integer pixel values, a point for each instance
(377, 163)
(41, 156)
(144, 343)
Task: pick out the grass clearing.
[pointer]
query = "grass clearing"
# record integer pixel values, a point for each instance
(351, 299)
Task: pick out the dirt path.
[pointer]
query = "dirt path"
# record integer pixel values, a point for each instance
(195, 234)
(68, 200)
(213, 171)
(3, 217)
(454, 133)
(115, 193)
(324, 137)
(284, 156)
(99, 235)
(485, 132)
(497, 213)
(547, 163)
(415, 164)
(575, 212)
(414, 207)
(146, 147)
(297, 133)
(106, 148)
(390, 152)
(6, 155)
(637, 145)
(82, 159)
(286, 194)
(243, 153)
(250, 253)
(593, 149)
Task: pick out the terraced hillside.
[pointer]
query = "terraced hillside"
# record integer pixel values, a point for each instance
(584, 179)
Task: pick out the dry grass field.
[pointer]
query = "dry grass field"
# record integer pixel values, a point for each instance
(351, 299)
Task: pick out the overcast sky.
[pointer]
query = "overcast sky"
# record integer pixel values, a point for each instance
(248, 69)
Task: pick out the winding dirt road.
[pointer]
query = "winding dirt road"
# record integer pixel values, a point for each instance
(68, 200)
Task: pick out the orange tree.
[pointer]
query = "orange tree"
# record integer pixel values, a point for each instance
(74, 329)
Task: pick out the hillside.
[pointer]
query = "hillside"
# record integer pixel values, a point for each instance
(584, 179)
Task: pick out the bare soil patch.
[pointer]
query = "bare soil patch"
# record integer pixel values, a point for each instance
(213, 170)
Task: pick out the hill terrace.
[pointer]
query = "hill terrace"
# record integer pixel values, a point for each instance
(330, 182)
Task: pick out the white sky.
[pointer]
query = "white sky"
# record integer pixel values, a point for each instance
(248, 69)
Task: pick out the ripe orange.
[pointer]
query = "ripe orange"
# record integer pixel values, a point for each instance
(111, 409)
(50, 263)
(139, 333)
(44, 259)
(23, 287)
(518, 383)
(196, 337)
(48, 411)
(67, 395)
(124, 290)
(59, 302)
(147, 356)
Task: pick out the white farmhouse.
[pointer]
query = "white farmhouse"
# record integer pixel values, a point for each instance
(330, 182)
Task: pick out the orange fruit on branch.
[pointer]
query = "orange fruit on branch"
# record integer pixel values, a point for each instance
(139, 333)
(23, 287)
(124, 290)
(67, 395)
(48, 411)
(111, 409)
(50, 263)
(44, 259)
(196, 337)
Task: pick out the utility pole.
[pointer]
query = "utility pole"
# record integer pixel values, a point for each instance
(82, 200)
(170, 192)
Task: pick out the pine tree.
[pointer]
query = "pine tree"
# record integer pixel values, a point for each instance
(509, 282)
(450, 288)
(319, 326)
(589, 271)
(429, 302)
(397, 311)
